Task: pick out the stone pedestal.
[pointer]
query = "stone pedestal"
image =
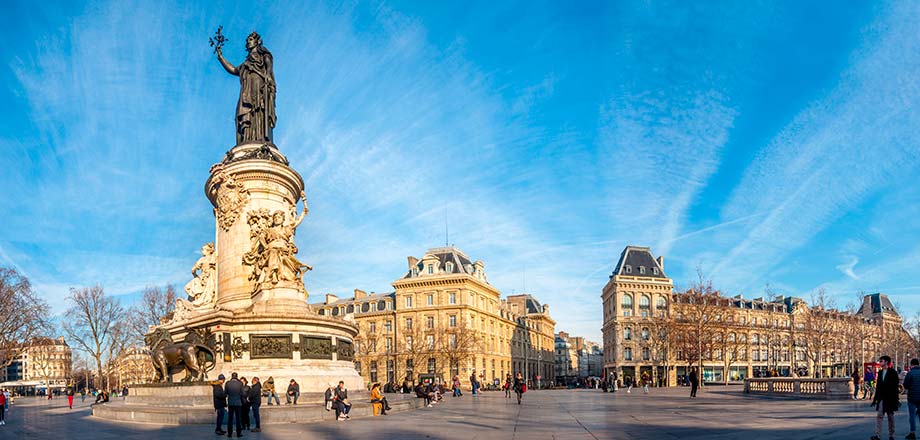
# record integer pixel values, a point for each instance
(257, 315)
(251, 178)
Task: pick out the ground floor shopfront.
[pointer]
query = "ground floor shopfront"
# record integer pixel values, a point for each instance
(673, 375)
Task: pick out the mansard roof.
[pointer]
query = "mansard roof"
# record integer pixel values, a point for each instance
(877, 303)
(635, 257)
(460, 261)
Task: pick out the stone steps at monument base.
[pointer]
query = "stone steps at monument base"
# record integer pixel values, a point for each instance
(275, 414)
(197, 400)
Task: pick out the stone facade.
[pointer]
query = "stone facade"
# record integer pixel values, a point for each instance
(645, 322)
(444, 318)
(46, 360)
(577, 359)
(133, 366)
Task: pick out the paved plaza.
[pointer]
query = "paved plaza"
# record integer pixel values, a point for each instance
(718, 413)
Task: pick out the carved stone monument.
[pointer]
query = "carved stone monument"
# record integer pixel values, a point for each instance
(247, 287)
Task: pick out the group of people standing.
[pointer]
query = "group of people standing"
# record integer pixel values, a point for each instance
(236, 399)
(886, 398)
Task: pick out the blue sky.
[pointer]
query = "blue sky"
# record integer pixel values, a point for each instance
(764, 143)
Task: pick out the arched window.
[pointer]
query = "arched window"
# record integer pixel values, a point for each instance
(645, 302)
(365, 307)
(335, 311)
(350, 309)
(645, 333)
(627, 305)
(662, 303)
(627, 353)
(322, 312)
(381, 305)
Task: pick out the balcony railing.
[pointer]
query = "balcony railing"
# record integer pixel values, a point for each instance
(829, 389)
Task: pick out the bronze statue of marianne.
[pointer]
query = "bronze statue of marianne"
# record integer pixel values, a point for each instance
(255, 111)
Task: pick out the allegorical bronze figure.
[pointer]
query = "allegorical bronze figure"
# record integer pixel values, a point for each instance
(255, 111)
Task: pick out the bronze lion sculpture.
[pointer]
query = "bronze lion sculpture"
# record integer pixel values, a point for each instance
(169, 358)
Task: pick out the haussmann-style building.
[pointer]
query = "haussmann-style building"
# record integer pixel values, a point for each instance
(646, 328)
(445, 319)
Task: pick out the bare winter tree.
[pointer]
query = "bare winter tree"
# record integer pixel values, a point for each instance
(698, 319)
(819, 329)
(155, 304)
(120, 338)
(90, 322)
(23, 316)
(457, 345)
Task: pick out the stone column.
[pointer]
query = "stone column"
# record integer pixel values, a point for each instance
(252, 177)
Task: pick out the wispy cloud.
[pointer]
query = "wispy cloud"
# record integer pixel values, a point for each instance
(835, 153)
(847, 268)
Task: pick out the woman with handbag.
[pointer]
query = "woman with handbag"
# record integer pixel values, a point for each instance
(520, 387)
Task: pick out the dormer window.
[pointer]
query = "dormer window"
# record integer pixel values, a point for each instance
(414, 271)
(430, 269)
(642, 270)
(449, 267)
(655, 270)
(628, 269)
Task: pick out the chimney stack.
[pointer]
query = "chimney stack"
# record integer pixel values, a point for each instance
(359, 294)
(330, 298)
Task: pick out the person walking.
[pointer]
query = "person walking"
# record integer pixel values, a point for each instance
(255, 402)
(520, 387)
(474, 383)
(645, 381)
(912, 386)
(341, 400)
(244, 397)
(70, 397)
(220, 403)
(234, 390)
(694, 382)
(855, 376)
(507, 386)
(886, 397)
(293, 392)
(83, 395)
(2, 408)
(124, 392)
(270, 386)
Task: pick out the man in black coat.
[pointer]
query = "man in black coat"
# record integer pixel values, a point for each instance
(255, 399)
(220, 403)
(886, 396)
(234, 390)
(694, 382)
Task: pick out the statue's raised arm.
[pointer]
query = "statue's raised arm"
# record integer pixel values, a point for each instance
(230, 68)
(306, 210)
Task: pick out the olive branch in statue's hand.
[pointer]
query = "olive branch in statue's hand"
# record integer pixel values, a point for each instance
(218, 40)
